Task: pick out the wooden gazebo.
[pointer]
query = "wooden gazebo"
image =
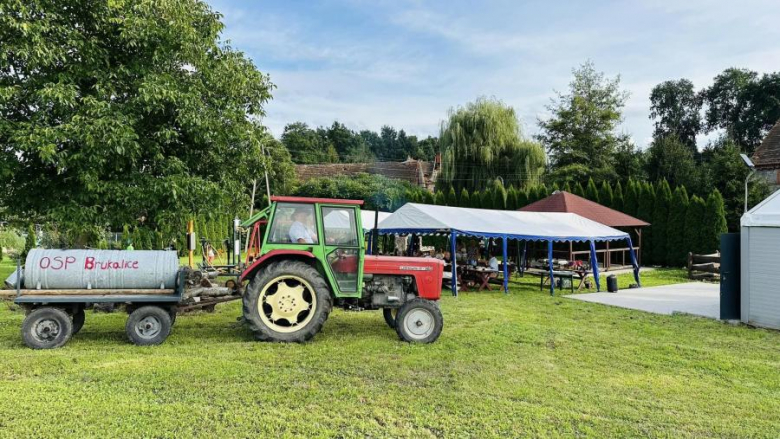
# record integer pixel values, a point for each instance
(562, 201)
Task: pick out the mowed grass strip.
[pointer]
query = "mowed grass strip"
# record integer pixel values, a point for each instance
(506, 365)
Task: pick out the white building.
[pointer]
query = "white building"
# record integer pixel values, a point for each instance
(760, 273)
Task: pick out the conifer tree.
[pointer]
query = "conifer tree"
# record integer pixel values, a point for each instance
(511, 198)
(694, 230)
(465, 198)
(645, 205)
(605, 194)
(452, 197)
(567, 187)
(579, 190)
(591, 191)
(714, 223)
(617, 198)
(522, 198)
(663, 199)
(675, 231)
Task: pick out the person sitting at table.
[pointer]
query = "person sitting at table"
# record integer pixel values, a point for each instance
(447, 257)
(493, 263)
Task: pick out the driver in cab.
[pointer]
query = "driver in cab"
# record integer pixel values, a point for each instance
(301, 230)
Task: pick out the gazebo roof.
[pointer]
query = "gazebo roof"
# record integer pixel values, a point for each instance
(562, 201)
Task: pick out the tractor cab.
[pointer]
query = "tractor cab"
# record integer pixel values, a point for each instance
(307, 254)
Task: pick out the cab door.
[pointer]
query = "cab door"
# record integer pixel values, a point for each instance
(343, 247)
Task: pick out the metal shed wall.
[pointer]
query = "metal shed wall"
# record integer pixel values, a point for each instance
(761, 276)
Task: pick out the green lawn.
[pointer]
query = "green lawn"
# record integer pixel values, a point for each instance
(505, 366)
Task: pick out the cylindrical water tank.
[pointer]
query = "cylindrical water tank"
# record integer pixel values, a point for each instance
(100, 269)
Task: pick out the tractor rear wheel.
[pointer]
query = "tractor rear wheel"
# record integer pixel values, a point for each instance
(288, 301)
(419, 321)
(390, 315)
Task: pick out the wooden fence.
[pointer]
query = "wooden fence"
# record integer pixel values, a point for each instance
(704, 267)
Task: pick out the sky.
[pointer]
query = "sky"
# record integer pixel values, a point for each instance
(407, 63)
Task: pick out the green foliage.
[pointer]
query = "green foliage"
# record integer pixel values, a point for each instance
(663, 201)
(714, 223)
(617, 198)
(307, 146)
(439, 199)
(137, 104)
(465, 198)
(676, 229)
(522, 198)
(499, 195)
(605, 194)
(429, 198)
(581, 135)
(694, 225)
(676, 108)
(744, 105)
(452, 198)
(591, 191)
(486, 199)
(579, 190)
(567, 187)
(645, 206)
(30, 241)
(377, 191)
(483, 141)
(511, 199)
(12, 241)
(631, 199)
(670, 159)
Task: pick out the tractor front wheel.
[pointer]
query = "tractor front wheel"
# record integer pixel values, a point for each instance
(287, 301)
(419, 321)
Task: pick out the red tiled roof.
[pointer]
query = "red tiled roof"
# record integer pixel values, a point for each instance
(562, 201)
(767, 155)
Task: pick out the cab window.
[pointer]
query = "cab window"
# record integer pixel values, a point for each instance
(294, 223)
(339, 226)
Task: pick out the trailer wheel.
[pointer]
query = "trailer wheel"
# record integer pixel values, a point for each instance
(46, 328)
(78, 320)
(390, 315)
(419, 321)
(148, 325)
(287, 302)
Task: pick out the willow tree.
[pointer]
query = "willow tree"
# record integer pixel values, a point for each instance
(483, 141)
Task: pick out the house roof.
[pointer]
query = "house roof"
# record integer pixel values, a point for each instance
(562, 201)
(767, 155)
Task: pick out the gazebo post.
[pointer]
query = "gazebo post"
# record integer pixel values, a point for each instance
(594, 265)
(453, 256)
(550, 263)
(506, 266)
(634, 261)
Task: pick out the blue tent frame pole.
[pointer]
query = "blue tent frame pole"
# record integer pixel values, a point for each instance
(594, 264)
(550, 263)
(524, 258)
(453, 256)
(633, 260)
(370, 239)
(506, 266)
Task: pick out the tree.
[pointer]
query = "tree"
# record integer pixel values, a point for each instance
(465, 199)
(31, 241)
(429, 198)
(645, 206)
(580, 136)
(743, 104)
(579, 190)
(499, 195)
(452, 198)
(663, 200)
(136, 104)
(605, 194)
(511, 199)
(714, 223)
(694, 236)
(306, 145)
(591, 191)
(676, 108)
(483, 141)
(677, 227)
(617, 198)
(631, 200)
(670, 159)
(522, 198)
(629, 162)
(567, 187)
(439, 199)
(486, 200)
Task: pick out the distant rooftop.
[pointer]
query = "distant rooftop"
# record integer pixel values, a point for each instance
(562, 201)
(417, 172)
(767, 155)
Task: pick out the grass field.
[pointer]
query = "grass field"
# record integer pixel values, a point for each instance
(505, 366)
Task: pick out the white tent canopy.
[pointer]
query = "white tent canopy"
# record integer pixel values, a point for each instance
(367, 218)
(555, 226)
(414, 218)
(340, 219)
(765, 214)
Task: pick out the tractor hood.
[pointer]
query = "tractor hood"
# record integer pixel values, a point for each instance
(426, 271)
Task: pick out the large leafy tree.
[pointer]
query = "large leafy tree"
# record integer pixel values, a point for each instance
(111, 112)
(307, 146)
(743, 104)
(581, 134)
(671, 159)
(483, 141)
(676, 108)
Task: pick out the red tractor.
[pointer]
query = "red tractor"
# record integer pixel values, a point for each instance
(309, 254)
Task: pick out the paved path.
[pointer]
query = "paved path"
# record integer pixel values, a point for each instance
(698, 298)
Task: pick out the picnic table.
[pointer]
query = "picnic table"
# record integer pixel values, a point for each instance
(481, 275)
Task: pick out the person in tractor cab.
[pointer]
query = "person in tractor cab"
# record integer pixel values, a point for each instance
(301, 229)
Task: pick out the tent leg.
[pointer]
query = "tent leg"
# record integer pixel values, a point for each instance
(550, 263)
(594, 265)
(454, 280)
(370, 242)
(633, 261)
(506, 267)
